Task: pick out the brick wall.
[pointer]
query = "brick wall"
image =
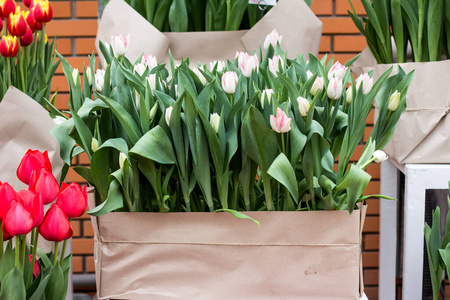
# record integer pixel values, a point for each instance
(75, 25)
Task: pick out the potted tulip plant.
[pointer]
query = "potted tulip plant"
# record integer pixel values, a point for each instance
(257, 137)
(414, 35)
(26, 271)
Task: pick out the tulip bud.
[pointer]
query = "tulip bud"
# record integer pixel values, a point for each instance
(317, 86)
(276, 64)
(56, 226)
(72, 199)
(58, 120)
(247, 63)
(27, 39)
(31, 21)
(303, 106)
(349, 95)
(36, 267)
(337, 71)
(199, 75)
(140, 68)
(44, 183)
(379, 156)
(281, 123)
(33, 160)
(120, 44)
(75, 76)
(122, 158)
(366, 82)
(7, 7)
(34, 204)
(27, 3)
(16, 24)
(7, 194)
(272, 39)
(89, 76)
(99, 80)
(229, 82)
(309, 74)
(214, 120)
(168, 114)
(150, 61)
(9, 46)
(94, 144)
(394, 101)
(43, 11)
(267, 93)
(334, 90)
(153, 111)
(18, 220)
(220, 65)
(151, 79)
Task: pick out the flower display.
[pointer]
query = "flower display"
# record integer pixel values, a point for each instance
(272, 39)
(281, 123)
(120, 44)
(43, 12)
(17, 26)
(229, 82)
(9, 46)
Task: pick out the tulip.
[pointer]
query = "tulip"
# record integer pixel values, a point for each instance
(140, 68)
(44, 183)
(72, 199)
(334, 90)
(309, 74)
(229, 82)
(94, 144)
(317, 86)
(120, 44)
(33, 160)
(199, 75)
(337, 70)
(150, 61)
(220, 65)
(6, 235)
(31, 21)
(349, 94)
(303, 106)
(56, 226)
(276, 64)
(151, 79)
(122, 159)
(1, 25)
(272, 39)
(7, 194)
(394, 101)
(379, 156)
(33, 203)
(89, 76)
(18, 220)
(281, 123)
(27, 3)
(7, 7)
(168, 114)
(16, 24)
(27, 38)
(366, 81)
(36, 267)
(99, 80)
(43, 11)
(247, 63)
(58, 120)
(267, 93)
(9, 46)
(75, 76)
(153, 111)
(214, 120)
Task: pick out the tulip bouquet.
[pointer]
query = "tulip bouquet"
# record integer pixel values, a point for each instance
(255, 133)
(27, 61)
(200, 15)
(24, 275)
(422, 25)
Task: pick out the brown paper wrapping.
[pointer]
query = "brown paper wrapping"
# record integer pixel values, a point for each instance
(293, 19)
(423, 131)
(292, 255)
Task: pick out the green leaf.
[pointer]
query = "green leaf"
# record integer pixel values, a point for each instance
(13, 287)
(85, 173)
(282, 171)
(113, 201)
(357, 180)
(7, 262)
(155, 145)
(40, 290)
(237, 214)
(55, 285)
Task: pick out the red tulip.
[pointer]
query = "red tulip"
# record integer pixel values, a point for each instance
(18, 220)
(31, 21)
(56, 225)
(44, 183)
(27, 3)
(33, 160)
(7, 7)
(16, 24)
(6, 235)
(9, 46)
(1, 25)
(43, 11)
(72, 200)
(36, 267)
(7, 194)
(33, 202)
(27, 38)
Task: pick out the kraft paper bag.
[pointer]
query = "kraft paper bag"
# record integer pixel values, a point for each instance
(24, 124)
(292, 255)
(293, 19)
(422, 133)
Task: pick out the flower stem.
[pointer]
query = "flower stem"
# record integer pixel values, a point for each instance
(34, 240)
(1, 241)
(17, 252)
(55, 254)
(8, 67)
(62, 252)
(23, 242)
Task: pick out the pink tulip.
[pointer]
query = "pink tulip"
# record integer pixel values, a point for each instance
(317, 86)
(337, 71)
(99, 80)
(34, 204)
(366, 81)
(18, 220)
(56, 226)
(150, 61)
(272, 39)
(247, 63)
(281, 123)
(44, 183)
(334, 90)
(276, 64)
(120, 44)
(229, 82)
(72, 200)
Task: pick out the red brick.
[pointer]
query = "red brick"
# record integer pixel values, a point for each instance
(84, 159)
(372, 293)
(338, 25)
(84, 46)
(371, 224)
(62, 101)
(86, 9)
(73, 176)
(373, 207)
(349, 43)
(322, 7)
(343, 5)
(371, 277)
(77, 264)
(325, 44)
(59, 83)
(77, 63)
(371, 242)
(341, 57)
(64, 46)
(370, 259)
(72, 28)
(90, 264)
(76, 228)
(87, 229)
(82, 246)
(374, 170)
(367, 132)
(61, 9)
